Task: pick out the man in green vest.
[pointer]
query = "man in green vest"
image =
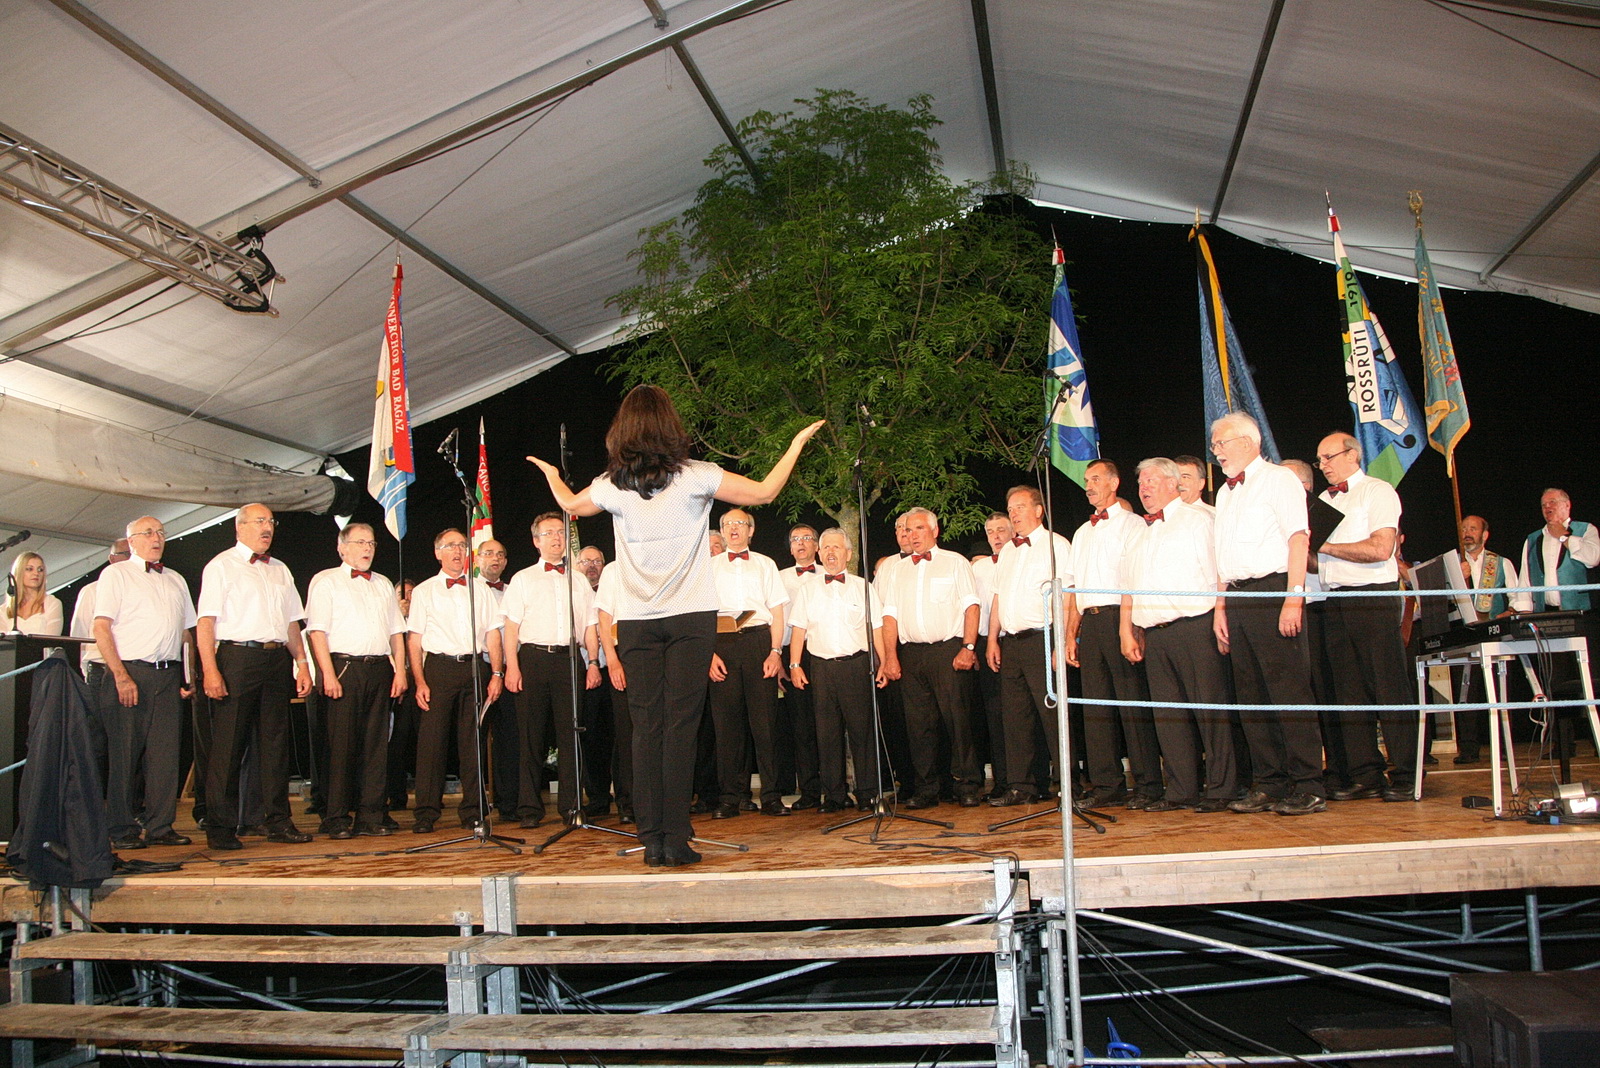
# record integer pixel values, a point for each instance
(1486, 572)
(1560, 553)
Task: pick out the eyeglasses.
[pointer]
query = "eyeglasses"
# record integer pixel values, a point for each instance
(269, 522)
(153, 532)
(457, 545)
(1332, 456)
(1217, 444)
(737, 523)
(801, 537)
(491, 552)
(362, 544)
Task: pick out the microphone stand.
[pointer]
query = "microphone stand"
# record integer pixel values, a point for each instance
(1065, 797)
(575, 820)
(881, 809)
(482, 831)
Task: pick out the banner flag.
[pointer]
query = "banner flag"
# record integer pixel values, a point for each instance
(1444, 400)
(482, 509)
(1387, 421)
(1074, 437)
(1224, 376)
(392, 467)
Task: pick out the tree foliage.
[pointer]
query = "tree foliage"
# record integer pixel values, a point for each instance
(848, 275)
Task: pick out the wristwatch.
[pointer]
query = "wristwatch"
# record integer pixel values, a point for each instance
(794, 665)
(970, 647)
(1297, 589)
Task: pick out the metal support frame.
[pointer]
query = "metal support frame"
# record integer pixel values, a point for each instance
(1268, 35)
(991, 91)
(68, 194)
(1010, 992)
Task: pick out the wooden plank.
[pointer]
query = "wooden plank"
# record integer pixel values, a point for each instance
(106, 1024)
(264, 949)
(724, 1030)
(741, 946)
(1558, 857)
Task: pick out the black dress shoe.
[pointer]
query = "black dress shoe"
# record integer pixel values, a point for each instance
(222, 838)
(1254, 801)
(171, 838)
(1211, 804)
(1466, 758)
(1355, 793)
(254, 830)
(389, 824)
(922, 801)
(725, 812)
(829, 807)
(864, 803)
(1139, 802)
(343, 834)
(969, 801)
(288, 834)
(654, 854)
(804, 803)
(748, 805)
(422, 826)
(129, 841)
(1167, 805)
(700, 808)
(1104, 795)
(1300, 804)
(528, 823)
(678, 856)
(771, 808)
(372, 830)
(1012, 797)
(1399, 793)
(624, 814)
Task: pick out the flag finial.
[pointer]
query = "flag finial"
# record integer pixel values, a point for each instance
(1414, 198)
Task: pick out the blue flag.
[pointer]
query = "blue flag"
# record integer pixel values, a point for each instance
(1446, 410)
(1074, 437)
(1224, 376)
(1388, 422)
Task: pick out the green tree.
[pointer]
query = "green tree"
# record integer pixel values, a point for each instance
(848, 271)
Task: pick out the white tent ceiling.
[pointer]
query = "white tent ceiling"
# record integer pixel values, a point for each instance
(515, 148)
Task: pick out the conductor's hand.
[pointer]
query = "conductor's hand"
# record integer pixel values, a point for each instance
(549, 469)
(216, 689)
(805, 435)
(719, 670)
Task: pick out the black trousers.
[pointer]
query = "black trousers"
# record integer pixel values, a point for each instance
(1285, 746)
(544, 714)
(797, 732)
(1183, 665)
(1336, 764)
(1105, 674)
(142, 750)
(744, 699)
(450, 704)
(993, 718)
(599, 743)
(1370, 668)
(668, 664)
(505, 753)
(358, 741)
(841, 698)
(933, 697)
(403, 722)
(256, 711)
(1022, 694)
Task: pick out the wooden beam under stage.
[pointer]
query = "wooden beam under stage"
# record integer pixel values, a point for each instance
(793, 872)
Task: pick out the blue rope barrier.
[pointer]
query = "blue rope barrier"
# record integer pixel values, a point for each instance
(19, 671)
(13, 767)
(1230, 594)
(1475, 706)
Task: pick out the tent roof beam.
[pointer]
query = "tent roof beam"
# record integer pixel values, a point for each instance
(1268, 35)
(991, 92)
(729, 130)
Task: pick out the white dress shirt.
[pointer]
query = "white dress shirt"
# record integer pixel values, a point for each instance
(1584, 548)
(439, 615)
(536, 601)
(794, 576)
(1517, 602)
(1370, 505)
(82, 625)
(751, 585)
(250, 602)
(1255, 520)
(359, 615)
(1022, 574)
(1173, 553)
(1097, 552)
(983, 582)
(148, 610)
(928, 600)
(834, 615)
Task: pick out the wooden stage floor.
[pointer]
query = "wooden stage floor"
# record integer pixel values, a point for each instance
(792, 871)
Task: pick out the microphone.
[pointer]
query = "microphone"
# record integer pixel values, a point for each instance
(448, 445)
(16, 539)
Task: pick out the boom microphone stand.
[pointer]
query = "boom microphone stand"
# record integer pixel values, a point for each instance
(880, 804)
(483, 830)
(1064, 796)
(575, 820)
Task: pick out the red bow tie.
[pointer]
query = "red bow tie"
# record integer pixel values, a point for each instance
(499, 585)
(995, 557)
(356, 572)
(917, 558)
(833, 578)
(1153, 516)
(1338, 488)
(1020, 540)
(260, 558)
(1095, 519)
(809, 569)
(745, 555)
(154, 565)
(562, 568)
(459, 580)
(1236, 480)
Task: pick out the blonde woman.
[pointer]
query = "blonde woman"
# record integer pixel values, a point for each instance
(29, 609)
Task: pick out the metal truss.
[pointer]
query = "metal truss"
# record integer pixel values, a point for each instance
(55, 188)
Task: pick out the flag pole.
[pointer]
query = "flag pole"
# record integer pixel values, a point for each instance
(1414, 201)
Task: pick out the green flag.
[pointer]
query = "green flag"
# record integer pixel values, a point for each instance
(1445, 404)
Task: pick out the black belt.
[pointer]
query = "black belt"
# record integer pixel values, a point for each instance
(160, 665)
(1180, 619)
(1239, 584)
(252, 645)
(547, 648)
(1023, 633)
(941, 641)
(836, 659)
(374, 659)
(462, 658)
(1095, 610)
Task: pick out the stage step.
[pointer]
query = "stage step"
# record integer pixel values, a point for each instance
(506, 950)
(105, 1025)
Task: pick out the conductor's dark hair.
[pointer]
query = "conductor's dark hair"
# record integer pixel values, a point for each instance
(647, 444)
